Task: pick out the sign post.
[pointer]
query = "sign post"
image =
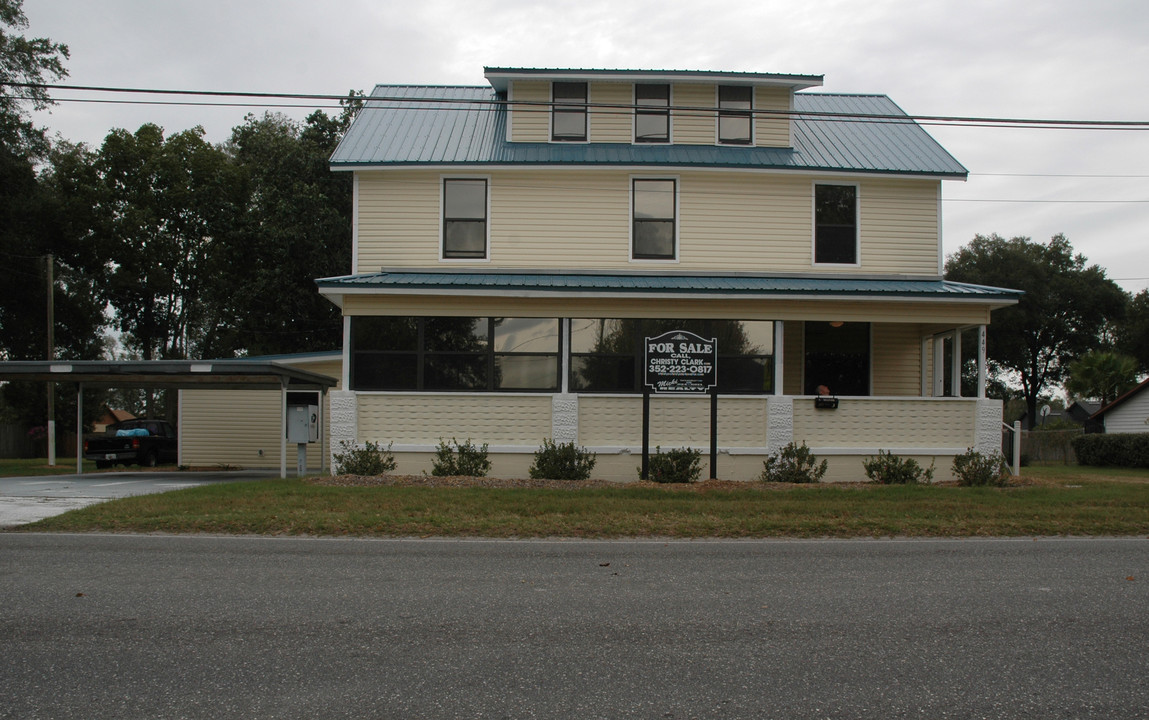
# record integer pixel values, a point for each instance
(680, 362)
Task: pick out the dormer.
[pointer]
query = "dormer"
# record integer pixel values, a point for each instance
(648, 107)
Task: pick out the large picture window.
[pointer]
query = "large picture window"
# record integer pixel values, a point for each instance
(455, 354)
(465, 218)
(734, 114)
(837, 356)
(607, 353)
(568, 111)
(836, 224)
(652, 113)
(654, 226)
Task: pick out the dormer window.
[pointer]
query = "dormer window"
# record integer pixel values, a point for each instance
(652, 113)
(568, 112)
(734, 106)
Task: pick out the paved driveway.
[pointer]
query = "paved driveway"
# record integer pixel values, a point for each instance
(28, 499)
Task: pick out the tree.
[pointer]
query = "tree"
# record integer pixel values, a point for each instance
(1065, 306)
(1133, 332)
(1100, 375)
(26, 64)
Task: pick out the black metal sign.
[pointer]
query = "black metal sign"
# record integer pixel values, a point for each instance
(681, 362)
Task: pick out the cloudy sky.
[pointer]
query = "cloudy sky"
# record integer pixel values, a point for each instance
(1053, 59)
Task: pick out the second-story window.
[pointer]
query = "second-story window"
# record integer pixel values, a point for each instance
(836, 224)
(654, 224)
(465, 218)
(652, 113)
(568, 112)
(734, 116)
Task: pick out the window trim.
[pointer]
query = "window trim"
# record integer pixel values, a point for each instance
(677, 218)
(571, 109)
(733, 113)
(443, 257)
(646, 110)
(814, 224)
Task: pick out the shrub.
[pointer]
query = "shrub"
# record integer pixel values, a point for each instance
(683, 465)
(464, 459)
(370, 460)
(1116, 449)
(890, 469)
(793, 464)
(562, 461)
(973, 468)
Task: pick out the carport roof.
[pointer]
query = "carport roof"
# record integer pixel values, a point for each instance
(205, 374)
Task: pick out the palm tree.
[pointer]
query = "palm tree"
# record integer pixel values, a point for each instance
(1101, 375)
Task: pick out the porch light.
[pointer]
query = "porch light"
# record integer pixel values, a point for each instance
(836, 323)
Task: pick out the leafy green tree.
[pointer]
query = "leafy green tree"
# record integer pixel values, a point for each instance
(1133, 332)
(1101, 375)
(26, 64)
(1066, 304)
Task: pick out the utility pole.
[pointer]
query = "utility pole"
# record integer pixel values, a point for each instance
(51, 353)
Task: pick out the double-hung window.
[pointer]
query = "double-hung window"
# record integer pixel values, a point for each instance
(568, 111)
(652, 113)
(734, 114)
(654, 225)
(836, 224)
(465, 218)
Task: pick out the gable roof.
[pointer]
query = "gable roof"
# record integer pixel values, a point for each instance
(418, 125)
(1139, 387)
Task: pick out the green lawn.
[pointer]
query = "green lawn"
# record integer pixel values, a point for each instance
(39, 466)
(1054, 500)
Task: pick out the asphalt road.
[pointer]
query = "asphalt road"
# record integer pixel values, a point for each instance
(103, 626)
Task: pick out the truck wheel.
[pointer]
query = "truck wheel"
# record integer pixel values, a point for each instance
(149, 459)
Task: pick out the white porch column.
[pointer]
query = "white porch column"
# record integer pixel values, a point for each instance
(779, 328)
(955, 364)
(981, 361)
(779, 422)
(342, 421)
(564, 418)
(939, 365)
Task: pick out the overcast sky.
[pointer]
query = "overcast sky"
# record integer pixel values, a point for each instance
(1051, 59)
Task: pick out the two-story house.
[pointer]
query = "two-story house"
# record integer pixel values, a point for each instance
(514, 243)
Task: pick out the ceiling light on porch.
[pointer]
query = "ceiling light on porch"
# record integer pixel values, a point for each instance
(836, 323)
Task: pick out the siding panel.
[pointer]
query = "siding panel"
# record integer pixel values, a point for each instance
(424, 419)
(882, 423)
(674, 421)
(530, 123)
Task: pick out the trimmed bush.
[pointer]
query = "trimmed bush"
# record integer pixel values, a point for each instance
(890, 469)
(562, 461)
(370, 460)
(793, 464)
(1117, 449)
(463, 459)
(683, 465)
(971, 468)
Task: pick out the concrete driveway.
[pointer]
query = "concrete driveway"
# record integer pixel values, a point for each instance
(28, 499)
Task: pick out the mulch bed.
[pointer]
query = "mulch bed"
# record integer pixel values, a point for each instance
(488, 482)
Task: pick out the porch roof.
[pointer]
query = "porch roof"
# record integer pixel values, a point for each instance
(618, 284)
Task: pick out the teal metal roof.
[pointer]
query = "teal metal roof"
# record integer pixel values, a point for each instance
(500, 77)
(592, 283)
(404, 125)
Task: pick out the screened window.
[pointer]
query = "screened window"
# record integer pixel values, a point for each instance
(652, 113)
(836, 224)
(654, 226)
(837, 355)
(607, 353)
(568, 111)
(465, 218)
(734, 116)
(455, 354)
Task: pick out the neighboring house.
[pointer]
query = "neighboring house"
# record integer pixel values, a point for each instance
(1081, 412)
(514, 243)
(1128, 413)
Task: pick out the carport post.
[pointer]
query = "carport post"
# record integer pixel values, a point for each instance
(282, 428)
(79, 428)
(323, 450)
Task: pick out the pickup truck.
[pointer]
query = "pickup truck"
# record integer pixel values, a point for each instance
(140, 442)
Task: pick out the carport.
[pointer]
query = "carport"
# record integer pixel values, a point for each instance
(176, 375)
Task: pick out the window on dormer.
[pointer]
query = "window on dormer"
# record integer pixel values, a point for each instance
(568, 111)
(652, 113)
(734, 116)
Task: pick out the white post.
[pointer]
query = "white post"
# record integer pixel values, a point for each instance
(283, 428)
(939, 365)
(79, 428)
(779, 355)
(955, 364)
(1016, 448)
(981, 361)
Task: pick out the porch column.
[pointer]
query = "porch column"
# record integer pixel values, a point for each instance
(79, 428)
(981, 361)
(779, 327)
(939, 365)
(955, 365)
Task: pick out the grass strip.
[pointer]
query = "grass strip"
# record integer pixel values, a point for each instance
(295, 507)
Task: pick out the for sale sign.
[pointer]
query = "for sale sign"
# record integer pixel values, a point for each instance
(681, 362)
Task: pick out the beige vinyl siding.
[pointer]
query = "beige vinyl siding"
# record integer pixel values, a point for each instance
(530, 123)
(694, 127)
(577, 218)
(772, 130)
(793, 356)
(613, 124)
(231, 427)
(882, 423)
(674, 421)
(609, 307)
(896, 359)
(425, 418)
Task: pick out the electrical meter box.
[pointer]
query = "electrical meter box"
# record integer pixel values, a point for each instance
(302, 423)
